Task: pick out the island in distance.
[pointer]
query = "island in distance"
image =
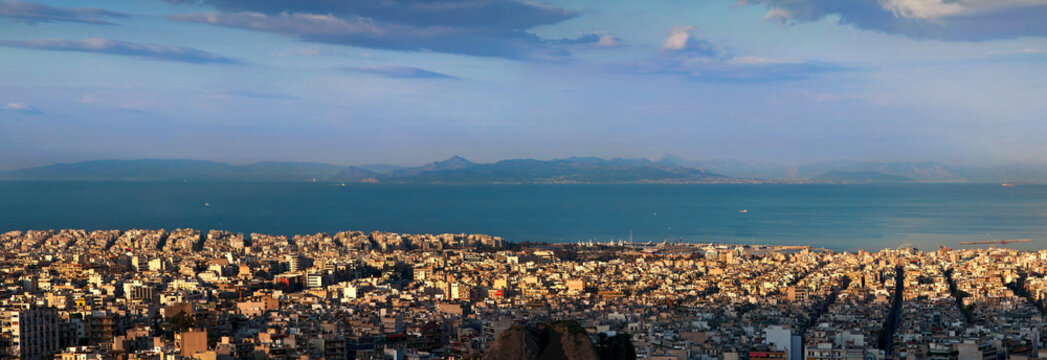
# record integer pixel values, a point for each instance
(457, 170)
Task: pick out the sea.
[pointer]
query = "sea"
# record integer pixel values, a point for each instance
(839, 217)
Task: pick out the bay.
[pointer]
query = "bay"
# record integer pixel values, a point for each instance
(842, 217)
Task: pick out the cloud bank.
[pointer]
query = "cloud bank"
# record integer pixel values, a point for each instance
(952, 20)
(400, 72)
(32, 13)
(123, 48)
(490, 28)
(684, 53)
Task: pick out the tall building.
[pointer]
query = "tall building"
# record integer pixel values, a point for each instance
(315, 280)
(783, 339)
(34, 333)
(296, 263)
(191, 342)
(976, 350)
(101, 326)
(141, 293)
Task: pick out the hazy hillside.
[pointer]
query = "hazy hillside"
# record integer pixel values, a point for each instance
(1016, 172)
(286, 171)
(918, 171)
(860, 177)
(354, 174)
(457, 170)
(175, 170)
(380, 168)
(747, 169)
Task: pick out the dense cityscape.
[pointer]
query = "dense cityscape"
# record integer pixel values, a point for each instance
(185, 294)
(806, 179)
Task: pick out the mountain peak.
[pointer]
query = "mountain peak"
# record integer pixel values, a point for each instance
(672, 160)
(453, 161)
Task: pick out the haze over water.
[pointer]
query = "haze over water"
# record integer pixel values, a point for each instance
(842, 217)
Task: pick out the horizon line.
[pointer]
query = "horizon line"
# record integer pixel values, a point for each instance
(786, 164)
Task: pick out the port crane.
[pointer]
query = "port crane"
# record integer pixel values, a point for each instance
(1001, 242)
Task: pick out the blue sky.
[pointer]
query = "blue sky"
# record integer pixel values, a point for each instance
(411, 81)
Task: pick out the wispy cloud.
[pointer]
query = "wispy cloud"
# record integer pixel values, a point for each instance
(123, 48)
(956, 20)
(21, 108)
(302, 51)
(256, 95)
(400, 72)
(32, 13)
(594, 40)
(1029, 51)
(489, 28)
(494, 15)
(684, 53)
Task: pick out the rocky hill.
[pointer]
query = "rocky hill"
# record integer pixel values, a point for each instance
(557, 340)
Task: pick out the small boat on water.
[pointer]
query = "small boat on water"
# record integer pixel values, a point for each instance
(743, 211)
(1008, 185)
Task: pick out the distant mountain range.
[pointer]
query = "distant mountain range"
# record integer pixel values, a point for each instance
(175, 170)
(458, 170)
(860, 177)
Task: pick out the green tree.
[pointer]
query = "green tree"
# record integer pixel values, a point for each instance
(617, 347)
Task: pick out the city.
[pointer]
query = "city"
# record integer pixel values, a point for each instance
(185, 294)
(523, 179)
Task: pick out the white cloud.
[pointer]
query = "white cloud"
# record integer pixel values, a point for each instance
(21, 108)
(923, 9)
(677, 39)
(778, 15)
(956, 20)
(682, 40)
(607, 41)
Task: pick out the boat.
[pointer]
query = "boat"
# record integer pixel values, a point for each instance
(743, 211)
(1008, 185)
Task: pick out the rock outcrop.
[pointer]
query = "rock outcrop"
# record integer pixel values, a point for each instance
(557, 340)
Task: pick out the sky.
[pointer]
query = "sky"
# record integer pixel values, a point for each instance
(411, 81)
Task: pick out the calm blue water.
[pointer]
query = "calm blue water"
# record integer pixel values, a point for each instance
(834, 216)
